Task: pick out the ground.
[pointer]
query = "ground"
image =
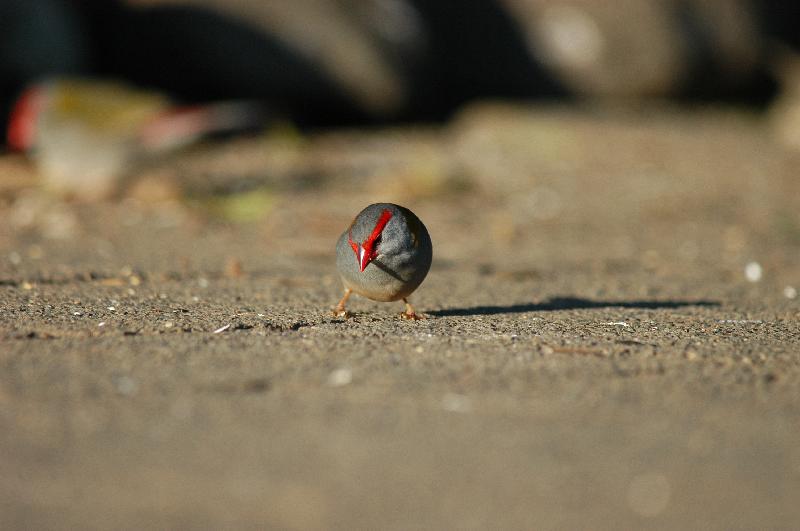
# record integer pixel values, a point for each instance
(612, 337)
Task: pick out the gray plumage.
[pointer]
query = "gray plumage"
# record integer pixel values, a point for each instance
(403, 254)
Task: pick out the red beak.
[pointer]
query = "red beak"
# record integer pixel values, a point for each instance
(363, 257)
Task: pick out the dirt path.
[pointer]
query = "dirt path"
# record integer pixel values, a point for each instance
(613, 337)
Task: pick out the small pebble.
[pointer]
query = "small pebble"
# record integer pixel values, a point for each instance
(790, 292)
(753, 271)
(340, 377)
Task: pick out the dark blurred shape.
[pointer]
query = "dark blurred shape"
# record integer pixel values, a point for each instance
(38, 39)
(200, 55)
(648, 48)
(785, 111)
(477, 50)
(727, 53)
(780, 21)
(621, 49)
(333, 62)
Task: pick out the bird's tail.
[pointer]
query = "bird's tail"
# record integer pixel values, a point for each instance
(180, 126)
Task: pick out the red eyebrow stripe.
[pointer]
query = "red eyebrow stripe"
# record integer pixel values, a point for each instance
(386, 215)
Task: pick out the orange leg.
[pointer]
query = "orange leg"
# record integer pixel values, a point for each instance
(410, 314)
(339, 311)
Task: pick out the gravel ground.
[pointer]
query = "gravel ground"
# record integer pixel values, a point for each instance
(612, 337)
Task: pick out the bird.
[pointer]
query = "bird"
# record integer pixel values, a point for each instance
(384, 255)
(84, 134)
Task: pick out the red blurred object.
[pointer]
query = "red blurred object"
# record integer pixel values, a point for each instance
(22, 124)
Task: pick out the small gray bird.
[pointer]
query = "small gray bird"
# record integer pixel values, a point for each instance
(384, 255)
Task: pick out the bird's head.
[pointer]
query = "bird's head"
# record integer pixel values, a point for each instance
(367, 250)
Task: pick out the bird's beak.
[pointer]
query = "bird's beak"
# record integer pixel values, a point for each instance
(363, 257)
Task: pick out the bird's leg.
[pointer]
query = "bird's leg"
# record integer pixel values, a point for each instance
(410, 314)
(339, 311)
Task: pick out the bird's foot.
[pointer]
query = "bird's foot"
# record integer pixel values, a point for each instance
(339, 310)
(410, 314)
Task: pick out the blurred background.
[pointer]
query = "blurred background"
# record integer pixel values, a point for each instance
(346, 61)
(121, 66)
(90, 89)
(332, 62)
(611, 188)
